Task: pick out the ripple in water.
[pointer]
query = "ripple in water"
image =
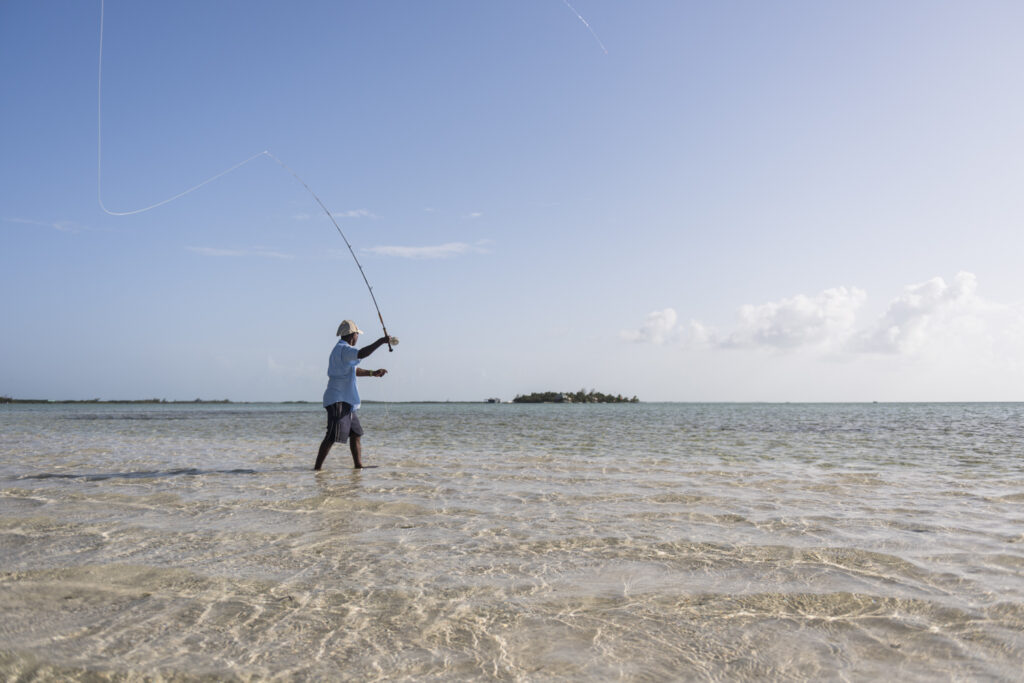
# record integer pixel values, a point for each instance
(522, 542)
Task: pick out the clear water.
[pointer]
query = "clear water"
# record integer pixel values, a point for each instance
(554, 542)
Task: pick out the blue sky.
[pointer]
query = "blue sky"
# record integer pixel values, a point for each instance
(738, 201)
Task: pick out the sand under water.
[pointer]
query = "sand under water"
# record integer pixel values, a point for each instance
(541, 542)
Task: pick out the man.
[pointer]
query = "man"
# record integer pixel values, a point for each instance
(341, 399)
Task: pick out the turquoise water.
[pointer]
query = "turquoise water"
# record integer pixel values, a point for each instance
(522, 542)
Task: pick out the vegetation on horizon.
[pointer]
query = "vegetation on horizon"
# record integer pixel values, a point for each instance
(8, 399)
(580, 396)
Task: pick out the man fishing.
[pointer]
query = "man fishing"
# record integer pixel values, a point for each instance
(341, 399)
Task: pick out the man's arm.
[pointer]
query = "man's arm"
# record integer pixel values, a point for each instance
(370, 348)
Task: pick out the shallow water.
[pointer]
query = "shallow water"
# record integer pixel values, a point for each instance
(566, 542)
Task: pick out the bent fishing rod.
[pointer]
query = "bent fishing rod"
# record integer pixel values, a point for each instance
(347, 243)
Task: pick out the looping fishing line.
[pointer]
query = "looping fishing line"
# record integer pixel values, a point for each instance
(99, 153)
(264, 153)
(99, 144)
(587, 24)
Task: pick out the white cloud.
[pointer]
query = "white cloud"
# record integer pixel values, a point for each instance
(659, 328)
(927, 315)
(798, 321)
(430, 252)
(63, 226)
(356, 213)
(923, 311)
(255, 251)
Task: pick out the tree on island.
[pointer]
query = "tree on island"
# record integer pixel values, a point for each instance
(581, 396)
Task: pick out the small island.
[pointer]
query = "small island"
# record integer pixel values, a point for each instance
(580, 396)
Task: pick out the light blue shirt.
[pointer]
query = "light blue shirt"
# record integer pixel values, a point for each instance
(341, 374)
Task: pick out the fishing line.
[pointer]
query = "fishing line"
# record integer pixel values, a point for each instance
(264, 153)
(99, 147)
(585, 23)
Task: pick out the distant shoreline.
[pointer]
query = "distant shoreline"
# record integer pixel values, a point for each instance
(150, 401)
(4, 400)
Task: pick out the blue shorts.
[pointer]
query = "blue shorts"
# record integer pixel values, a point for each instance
(341, 422)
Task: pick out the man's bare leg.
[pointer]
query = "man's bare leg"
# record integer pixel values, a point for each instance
(356, 446)
(325, 446)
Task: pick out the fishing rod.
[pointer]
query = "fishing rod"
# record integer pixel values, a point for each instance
(347, 243)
